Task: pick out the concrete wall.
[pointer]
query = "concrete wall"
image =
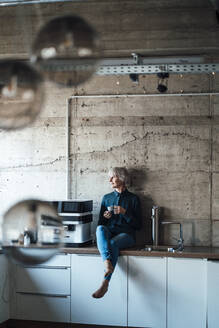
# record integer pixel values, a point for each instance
(170, 143)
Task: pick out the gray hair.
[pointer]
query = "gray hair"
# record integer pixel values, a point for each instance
(121, 173)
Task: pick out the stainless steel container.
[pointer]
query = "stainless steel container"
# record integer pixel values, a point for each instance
(155, 217)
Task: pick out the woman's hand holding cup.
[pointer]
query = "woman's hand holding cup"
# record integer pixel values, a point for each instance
(108, 214)
(113, 209)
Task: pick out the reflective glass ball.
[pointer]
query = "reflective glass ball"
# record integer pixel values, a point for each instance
(21, 94)
(66, 50)
(32, 232)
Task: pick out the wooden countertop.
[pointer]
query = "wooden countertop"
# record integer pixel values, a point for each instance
(203, 252)
(188, 252)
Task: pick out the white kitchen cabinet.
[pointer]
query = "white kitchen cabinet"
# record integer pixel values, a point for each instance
(186, 305)
(87, 275)
(146, 292)
(43, 292)
(43, 307)
(213, 292)
(4, 285)
(52, 281)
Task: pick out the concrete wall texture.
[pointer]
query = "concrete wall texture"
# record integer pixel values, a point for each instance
(168, 142)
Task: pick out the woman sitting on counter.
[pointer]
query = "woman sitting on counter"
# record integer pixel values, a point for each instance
(119, 218)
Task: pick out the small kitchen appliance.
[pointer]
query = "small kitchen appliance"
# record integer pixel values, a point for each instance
(76, 217)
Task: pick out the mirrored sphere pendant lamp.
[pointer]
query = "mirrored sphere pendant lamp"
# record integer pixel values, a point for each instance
(32, 232)
(66, 50)
(21, 94)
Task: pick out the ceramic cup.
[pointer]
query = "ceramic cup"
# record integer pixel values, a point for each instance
(115, 210)
(110, 208)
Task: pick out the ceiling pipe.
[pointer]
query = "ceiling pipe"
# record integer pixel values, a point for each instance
(9, 3)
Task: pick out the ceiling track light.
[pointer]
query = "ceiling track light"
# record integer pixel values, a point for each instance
(162, 82)
(163, 76)
(134, 78)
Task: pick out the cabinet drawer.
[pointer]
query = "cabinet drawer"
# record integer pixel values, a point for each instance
(43, 308)
(59, 260)
(43, 280)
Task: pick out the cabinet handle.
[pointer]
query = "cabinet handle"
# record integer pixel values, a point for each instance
(88, 255)
(47, 267)
(42, 294)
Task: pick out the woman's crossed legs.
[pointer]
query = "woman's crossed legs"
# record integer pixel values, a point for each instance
(109, 248)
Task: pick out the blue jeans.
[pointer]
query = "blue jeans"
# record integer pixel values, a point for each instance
(109, 246)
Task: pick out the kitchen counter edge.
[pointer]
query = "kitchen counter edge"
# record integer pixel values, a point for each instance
(211, 253)
(188, 252)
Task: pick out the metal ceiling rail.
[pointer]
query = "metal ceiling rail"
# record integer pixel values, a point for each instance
(155, 65)
(140, 65)
(155, 69)
(125, 66)
(67, 66)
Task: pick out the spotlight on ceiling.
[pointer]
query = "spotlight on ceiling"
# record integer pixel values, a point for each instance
(162, 82)
(66, 50)
(134, 78)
